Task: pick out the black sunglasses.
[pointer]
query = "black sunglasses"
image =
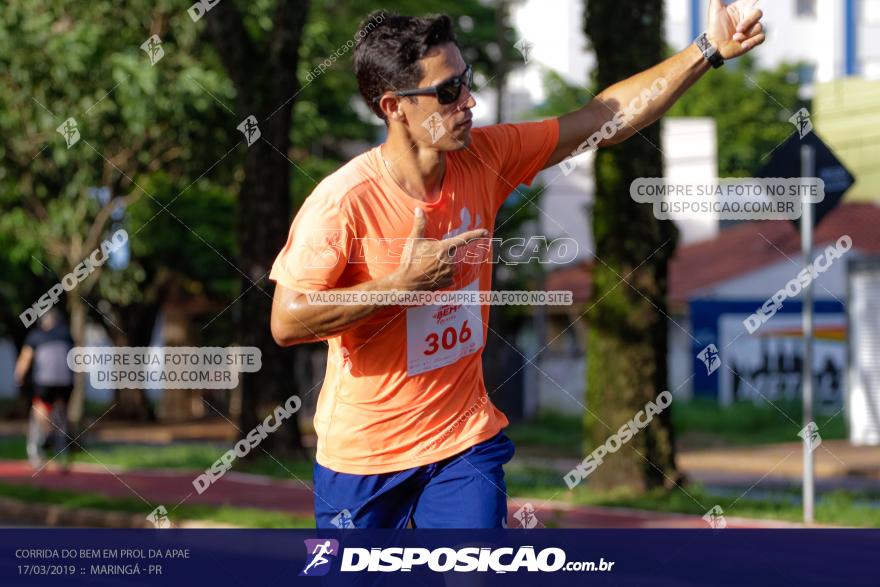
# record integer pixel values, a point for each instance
(447, 92)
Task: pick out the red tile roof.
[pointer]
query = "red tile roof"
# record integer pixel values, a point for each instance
(749, 246)
(576, 278)
(738, 250)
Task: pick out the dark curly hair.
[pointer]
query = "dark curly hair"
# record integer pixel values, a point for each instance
(388, 48)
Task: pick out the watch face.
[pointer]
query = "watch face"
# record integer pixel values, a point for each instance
(704, 45)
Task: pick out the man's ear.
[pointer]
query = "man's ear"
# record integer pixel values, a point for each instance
(390, 105)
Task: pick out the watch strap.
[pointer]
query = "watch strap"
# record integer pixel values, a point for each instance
(710, 52)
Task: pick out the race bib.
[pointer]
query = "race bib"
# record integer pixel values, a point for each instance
(437, 335)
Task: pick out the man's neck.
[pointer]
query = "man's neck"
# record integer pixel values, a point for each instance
(419, 171)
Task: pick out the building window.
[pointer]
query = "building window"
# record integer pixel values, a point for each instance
(805, 8)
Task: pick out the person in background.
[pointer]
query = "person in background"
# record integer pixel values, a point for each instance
(45, 350)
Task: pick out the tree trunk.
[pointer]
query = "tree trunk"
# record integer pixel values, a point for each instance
(264, 211)
(76, 407)
(627, 341)
(135, 328)
(494, 373)
(266, 85)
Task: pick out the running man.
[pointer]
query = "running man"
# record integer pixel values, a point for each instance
(45, 348)
(407, 434)
(319, 552)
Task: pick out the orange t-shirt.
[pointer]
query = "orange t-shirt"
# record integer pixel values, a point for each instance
(405, 388)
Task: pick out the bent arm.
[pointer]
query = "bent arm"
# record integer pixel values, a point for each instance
(23, 364)
(425, 265)
(295, 321)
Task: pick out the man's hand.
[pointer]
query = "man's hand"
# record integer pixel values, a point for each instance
(733, 29)
(428, 265)
(736, 28)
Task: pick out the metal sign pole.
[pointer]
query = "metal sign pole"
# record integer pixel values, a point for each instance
(807, 164)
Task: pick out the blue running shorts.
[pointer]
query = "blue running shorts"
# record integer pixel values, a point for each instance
(463, 491)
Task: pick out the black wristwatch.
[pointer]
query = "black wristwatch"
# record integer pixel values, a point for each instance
(710, 52)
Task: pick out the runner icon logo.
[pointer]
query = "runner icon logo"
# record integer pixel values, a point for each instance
(526, 516)
(525, 48)
(159, 518)
(434, 125)
(250, 130)
(68, 129)
(153, 48)
(320, 552)
(801, 121)
(810, 435)
(715, 518)
(710, 358)
(343, 520)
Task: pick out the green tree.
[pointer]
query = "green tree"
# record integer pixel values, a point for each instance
(205, 214)
(751, 108)
(627, 340)
(260, 54)
(84, 61)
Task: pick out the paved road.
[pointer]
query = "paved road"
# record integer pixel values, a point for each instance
(172, 488)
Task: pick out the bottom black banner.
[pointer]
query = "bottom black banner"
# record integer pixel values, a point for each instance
(269, 558)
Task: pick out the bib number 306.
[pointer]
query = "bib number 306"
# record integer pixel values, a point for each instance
(440, 335)
(447, 339)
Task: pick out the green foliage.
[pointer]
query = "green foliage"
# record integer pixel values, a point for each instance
(747, 423)
(189, 456)
(84, 61)
(161, 135)
(199, 222)
(562, 97)
(549, 433)
(750, 107)
(329, 111)
(245, 517)
(838, 507)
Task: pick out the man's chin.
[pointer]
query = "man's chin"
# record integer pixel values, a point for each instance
(460, 139)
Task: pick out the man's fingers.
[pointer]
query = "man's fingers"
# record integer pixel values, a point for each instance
(753, 41)
(464, 238)
(750, 20)
(740, 37)
(449, 247)
(758, 28)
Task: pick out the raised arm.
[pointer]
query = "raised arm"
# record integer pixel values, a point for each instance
(634, 103)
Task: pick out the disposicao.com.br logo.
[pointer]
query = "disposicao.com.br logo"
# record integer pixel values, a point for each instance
(441, 560)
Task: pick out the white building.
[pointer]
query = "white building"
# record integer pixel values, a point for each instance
(836, 37)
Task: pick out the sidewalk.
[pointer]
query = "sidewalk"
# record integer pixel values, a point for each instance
(171, 488)
(833, 459)
(837, 465)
